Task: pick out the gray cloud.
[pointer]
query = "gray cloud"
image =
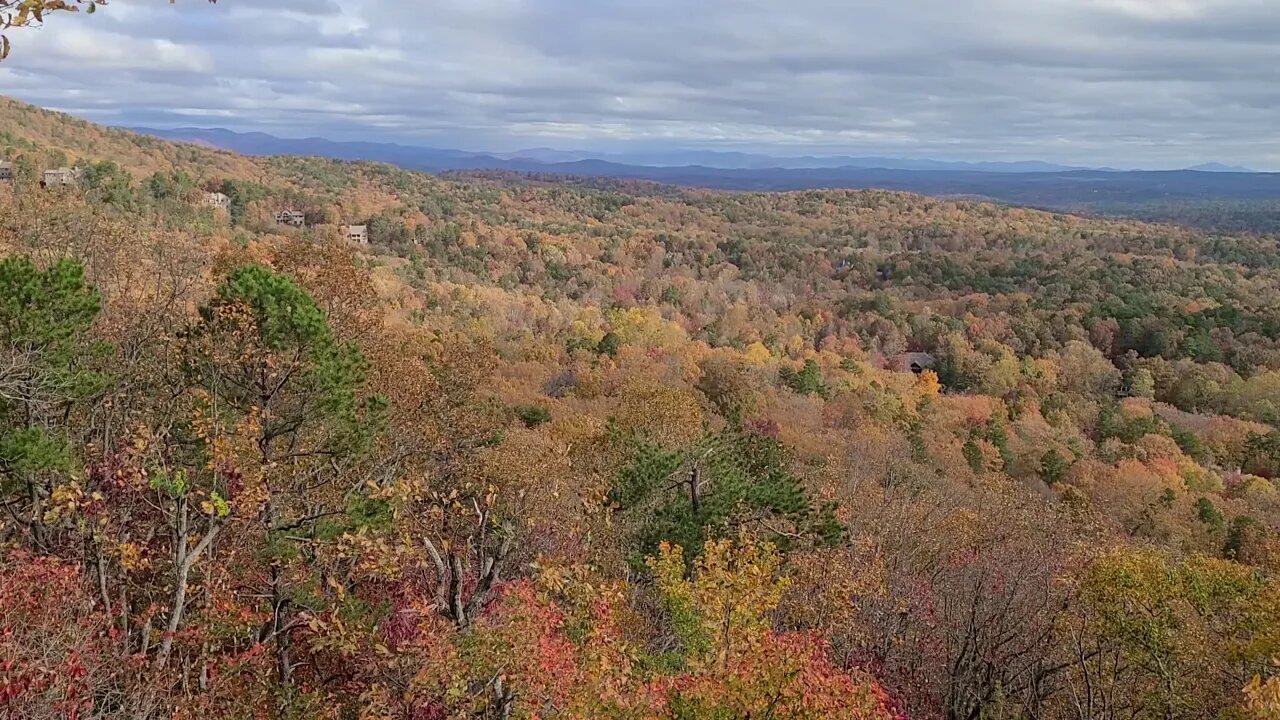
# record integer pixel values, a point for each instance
(1160, 83)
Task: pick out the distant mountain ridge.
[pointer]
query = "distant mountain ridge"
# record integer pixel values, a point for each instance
(440, 159)
(1031, 184)
(257, 143)
(532, 159)
(753, 161)
(1220, 168)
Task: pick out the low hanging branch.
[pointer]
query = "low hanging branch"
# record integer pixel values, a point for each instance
(32, 13)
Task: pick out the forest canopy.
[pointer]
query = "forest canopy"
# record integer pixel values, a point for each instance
(565, 448)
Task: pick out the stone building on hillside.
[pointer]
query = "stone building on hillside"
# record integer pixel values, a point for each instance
(358, 234)
(6, 171)
(217, 200)
(60, 177)
(292, 218)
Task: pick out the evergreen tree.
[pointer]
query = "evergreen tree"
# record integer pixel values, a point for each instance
(48, 369)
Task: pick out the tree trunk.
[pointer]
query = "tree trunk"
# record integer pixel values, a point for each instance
(279, 627)
(183, 560)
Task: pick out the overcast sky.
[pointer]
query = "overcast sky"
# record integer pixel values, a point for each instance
(1154, 83)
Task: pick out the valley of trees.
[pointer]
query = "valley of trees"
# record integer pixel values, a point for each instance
(554, 448)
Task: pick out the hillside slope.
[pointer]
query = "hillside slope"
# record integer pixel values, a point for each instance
(579, 448)
(24, 128)
(1210, 196)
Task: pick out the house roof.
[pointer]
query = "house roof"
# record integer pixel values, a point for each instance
(905, 362)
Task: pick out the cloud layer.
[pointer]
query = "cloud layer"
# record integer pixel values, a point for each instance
(1158, 83)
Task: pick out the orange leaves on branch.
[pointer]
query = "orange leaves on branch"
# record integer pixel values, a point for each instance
(516, 657)
(31, 13)
(560, 647)
(665, 415)
(719, 610)
(1262, 698)
(927, 385)
(789, 676)
(737, 665)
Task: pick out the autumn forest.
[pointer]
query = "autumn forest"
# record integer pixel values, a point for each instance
(550, 447)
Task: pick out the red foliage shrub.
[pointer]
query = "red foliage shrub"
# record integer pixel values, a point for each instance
(55, 645)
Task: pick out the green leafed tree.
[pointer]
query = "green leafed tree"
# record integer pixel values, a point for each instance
(263, 344)
(48, 368)
(278, 384)
(805, 381)
(726, 482)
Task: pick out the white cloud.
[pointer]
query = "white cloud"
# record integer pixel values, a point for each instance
(1155, 82)
(100, 51)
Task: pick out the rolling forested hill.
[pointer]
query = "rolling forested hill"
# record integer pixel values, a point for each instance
(1211, 196)
(569, 448)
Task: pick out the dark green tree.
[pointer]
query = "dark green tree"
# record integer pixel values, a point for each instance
(50, 365)
(805, 381)
(1208, 513)
(727, 481)
(172, 185)
(241, 193)
(999, 436)
(973, 454)
(263, 351)
(264, 344)
(1242, 535)
(609, 344)
(1262, 454)
(532, 415)
(1053, 466)
(108, 183)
